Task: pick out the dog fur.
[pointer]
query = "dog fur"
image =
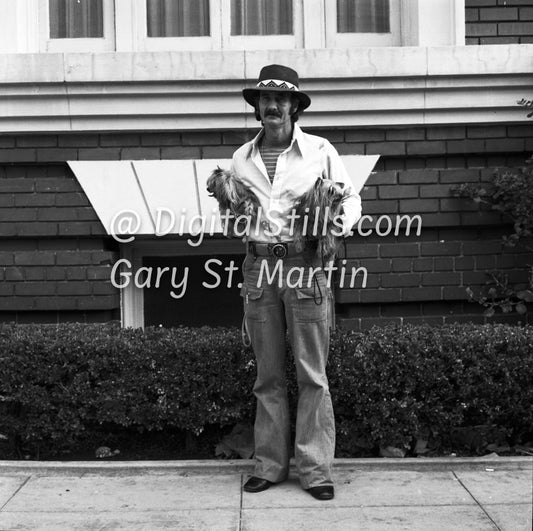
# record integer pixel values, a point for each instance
(312, 205)
(232, 196)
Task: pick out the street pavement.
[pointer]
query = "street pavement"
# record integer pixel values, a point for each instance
(493, 493)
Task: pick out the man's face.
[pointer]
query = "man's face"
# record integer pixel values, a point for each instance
(276, 108)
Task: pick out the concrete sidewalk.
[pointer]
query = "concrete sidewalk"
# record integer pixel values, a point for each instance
(371, 494)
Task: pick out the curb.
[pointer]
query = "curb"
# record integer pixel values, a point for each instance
(246, 465)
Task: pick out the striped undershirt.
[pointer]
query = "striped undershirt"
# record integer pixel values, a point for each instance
(270, 159)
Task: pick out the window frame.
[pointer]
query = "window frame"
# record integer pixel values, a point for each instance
(154, 44)
(85, 44)
(132, 297)
(220, 26)
(262, 42)
(314, 22)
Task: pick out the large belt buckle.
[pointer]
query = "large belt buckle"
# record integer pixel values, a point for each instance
(279, 250)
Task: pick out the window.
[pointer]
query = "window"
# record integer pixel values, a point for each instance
(76, 19)
(261, 24)
(188, 25)
(197, 304)
(217, 24)
(352, 23)
(76, 25)
(177, 18)
(176, 24)
(363, 16)
(261, 17)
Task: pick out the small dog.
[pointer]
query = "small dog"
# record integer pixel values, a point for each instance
(233, 197)
(317, 209)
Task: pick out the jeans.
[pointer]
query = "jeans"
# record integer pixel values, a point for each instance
(302, 310)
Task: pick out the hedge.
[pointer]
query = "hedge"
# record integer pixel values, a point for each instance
(395, 386)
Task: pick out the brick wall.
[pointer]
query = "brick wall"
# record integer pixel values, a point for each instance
(401, 148)
(54, 261)
(499, 21)
(424, 278)
(55, 258)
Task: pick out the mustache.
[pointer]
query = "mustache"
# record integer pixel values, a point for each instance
(272, 112)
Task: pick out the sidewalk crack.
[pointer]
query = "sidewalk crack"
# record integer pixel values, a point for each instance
(15, 493)
(478, 504)
(240, 508)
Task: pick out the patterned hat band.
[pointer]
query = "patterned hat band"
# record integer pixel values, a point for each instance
(277, 78)
(277, 83)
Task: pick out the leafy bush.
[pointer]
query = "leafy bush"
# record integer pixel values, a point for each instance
(57, 385)
(401, 387)
(511, 194)
(397, 386)
(528, 104)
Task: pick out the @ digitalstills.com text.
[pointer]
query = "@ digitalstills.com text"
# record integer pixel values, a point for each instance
(126, 224)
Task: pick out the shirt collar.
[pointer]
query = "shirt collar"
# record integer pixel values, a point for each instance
(254, 147)
(297, 138)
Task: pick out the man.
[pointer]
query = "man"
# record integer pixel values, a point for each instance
(280, 164)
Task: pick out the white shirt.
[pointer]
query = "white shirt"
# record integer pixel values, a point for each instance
(307, 158)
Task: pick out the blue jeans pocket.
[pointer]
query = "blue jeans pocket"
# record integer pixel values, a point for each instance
(253, 309)
(310, 305)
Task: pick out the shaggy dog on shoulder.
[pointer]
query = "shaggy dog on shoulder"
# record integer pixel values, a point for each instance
(233, 197)
(316, 211)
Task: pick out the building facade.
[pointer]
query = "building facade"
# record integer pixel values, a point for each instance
(430, 86)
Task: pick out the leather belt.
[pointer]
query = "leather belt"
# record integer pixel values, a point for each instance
(277, 250)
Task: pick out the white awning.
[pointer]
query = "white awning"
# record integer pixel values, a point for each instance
(159, 197)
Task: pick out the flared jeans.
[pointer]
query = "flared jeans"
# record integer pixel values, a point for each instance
(280, 295)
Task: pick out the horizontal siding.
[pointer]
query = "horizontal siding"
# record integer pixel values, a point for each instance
(169, 91)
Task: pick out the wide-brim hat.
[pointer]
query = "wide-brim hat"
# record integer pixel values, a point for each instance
(277, 78)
